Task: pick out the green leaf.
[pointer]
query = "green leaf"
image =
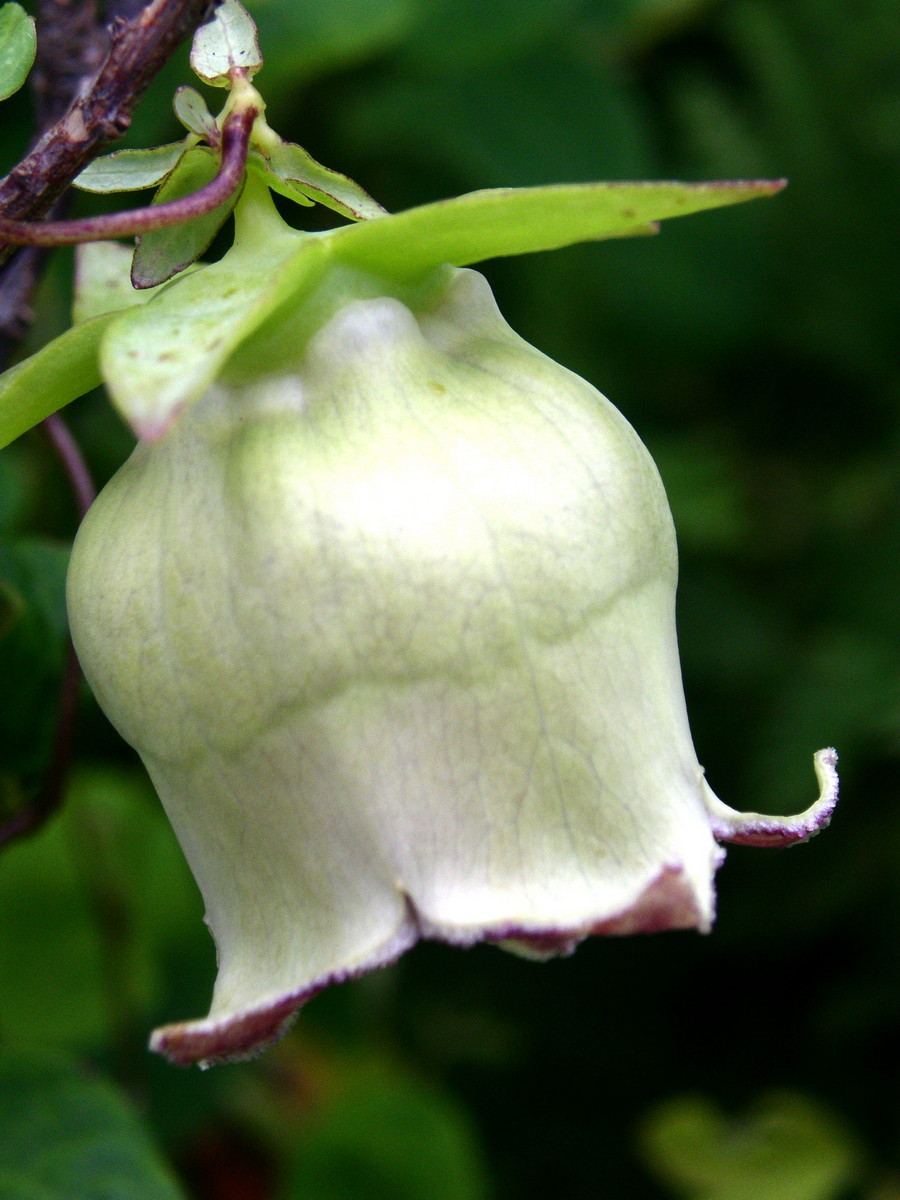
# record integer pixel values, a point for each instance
(106, 868)
(36, 387)
(503, 221)
(67, 1135)
(388, 1137)
(294, 165)
(130, 170)
(260, 168)
(191, 110)
(226, 43)
(69, 366)
(787, 1146)
(160, 359)
(18, 46)
(164, 252)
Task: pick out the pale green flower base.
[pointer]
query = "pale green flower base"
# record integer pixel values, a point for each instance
(390, 619)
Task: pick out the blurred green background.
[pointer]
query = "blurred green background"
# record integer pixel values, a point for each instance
(755, 351)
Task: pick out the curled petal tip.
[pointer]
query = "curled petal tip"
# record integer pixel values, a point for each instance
(758, 829)
(245, 1032)
(230, 1039)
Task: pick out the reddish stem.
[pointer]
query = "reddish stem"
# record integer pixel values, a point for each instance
(235, 142)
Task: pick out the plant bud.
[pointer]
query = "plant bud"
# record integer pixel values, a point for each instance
(389, 616)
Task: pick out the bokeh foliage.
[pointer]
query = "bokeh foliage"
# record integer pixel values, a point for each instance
(755, 352)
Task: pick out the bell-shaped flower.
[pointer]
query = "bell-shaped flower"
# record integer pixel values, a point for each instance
(388, 613)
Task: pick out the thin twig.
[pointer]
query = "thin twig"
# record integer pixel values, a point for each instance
(235, 140)
(71, 46)
(98, 108)
(102, 111)
(69, 454)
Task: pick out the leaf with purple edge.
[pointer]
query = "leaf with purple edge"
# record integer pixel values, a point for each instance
(298, 168)
(162, 253)
(226, 43)
(259, 166)
(130, 170)
(192, 111)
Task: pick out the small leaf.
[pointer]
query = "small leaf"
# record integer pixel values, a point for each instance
(293, 164)
(65, 1135)
(191, 110)
(156, 362)
(502, 221)
(162, 253)
(226, 43)
(18, 46)
(259, 166)
(130, 170)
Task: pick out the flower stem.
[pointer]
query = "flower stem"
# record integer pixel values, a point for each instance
(235, 143)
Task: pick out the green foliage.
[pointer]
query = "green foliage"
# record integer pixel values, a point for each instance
(387, 1136)
(162, 253)
(38, 386)
(130, 170)
(32, 651)
(18, 46)
(292, 164)
(191, 110)
(786, 1147)
(67, 1136)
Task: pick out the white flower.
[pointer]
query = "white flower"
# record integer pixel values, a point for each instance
(389, 617)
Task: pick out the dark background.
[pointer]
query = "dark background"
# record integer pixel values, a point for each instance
(755, 351)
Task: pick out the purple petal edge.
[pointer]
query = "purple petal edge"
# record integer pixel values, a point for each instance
(757, 829)
(668, 901)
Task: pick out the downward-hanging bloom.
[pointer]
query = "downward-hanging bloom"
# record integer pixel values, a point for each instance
(388, 614)
(384, 598)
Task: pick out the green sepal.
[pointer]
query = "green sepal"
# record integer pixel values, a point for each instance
(162, 253)
(259, 167)
(18, 47)
(131, 170)
(296, 167)
(192, 111)
(226, 43)
(503, 221)
(69, 366)
(158, 361)
(65, 368)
